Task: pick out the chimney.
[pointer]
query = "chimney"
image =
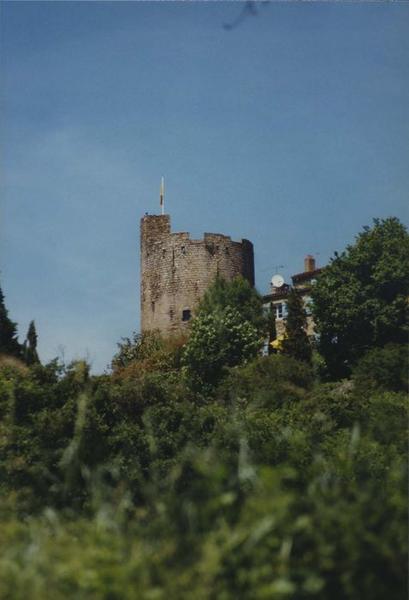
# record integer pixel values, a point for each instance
(309, 263)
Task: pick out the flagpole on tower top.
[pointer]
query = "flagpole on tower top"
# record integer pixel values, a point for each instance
(162, 195)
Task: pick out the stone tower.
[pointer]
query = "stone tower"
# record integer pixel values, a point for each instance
(176, 271)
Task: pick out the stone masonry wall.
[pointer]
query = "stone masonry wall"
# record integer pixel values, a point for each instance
(176, 271)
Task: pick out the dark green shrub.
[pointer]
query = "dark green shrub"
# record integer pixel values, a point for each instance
(383, 369)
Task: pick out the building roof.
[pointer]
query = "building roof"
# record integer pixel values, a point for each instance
(305, 276)
(276, 296)
(278, 293)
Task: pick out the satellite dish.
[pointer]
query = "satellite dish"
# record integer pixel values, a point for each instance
(277, 281)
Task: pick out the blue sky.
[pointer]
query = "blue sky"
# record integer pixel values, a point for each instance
(290, 130)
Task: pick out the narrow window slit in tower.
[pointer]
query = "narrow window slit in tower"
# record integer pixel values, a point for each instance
(186, 314)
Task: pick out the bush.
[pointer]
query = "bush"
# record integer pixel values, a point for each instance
(218, 340)
(270, 381)
(383, 368)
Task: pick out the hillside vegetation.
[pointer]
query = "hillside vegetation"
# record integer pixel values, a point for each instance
(198, 469)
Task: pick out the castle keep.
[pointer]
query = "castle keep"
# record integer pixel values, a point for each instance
(176, 271)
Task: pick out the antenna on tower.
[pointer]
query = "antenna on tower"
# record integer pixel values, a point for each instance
(162, 195)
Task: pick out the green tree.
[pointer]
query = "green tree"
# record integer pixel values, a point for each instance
(272, 330)
(296, 342)
(30, 346)
(238, 294)
(383, 369)
(8, 332)
(219, 339)
(360, 301)
(147, 352)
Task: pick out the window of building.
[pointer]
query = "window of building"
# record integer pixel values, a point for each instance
(307, 305)
(186, 314)
(280, 309)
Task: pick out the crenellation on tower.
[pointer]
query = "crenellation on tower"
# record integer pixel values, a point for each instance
(176, 271)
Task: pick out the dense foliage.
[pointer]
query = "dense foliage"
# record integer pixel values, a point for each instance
(275, 487)
(360, 301)
(296, 342)
(218, 340)
(30, 345)
(227, 331)
(199, 469)
(8, 331)
(237, 294)
(9, 344)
